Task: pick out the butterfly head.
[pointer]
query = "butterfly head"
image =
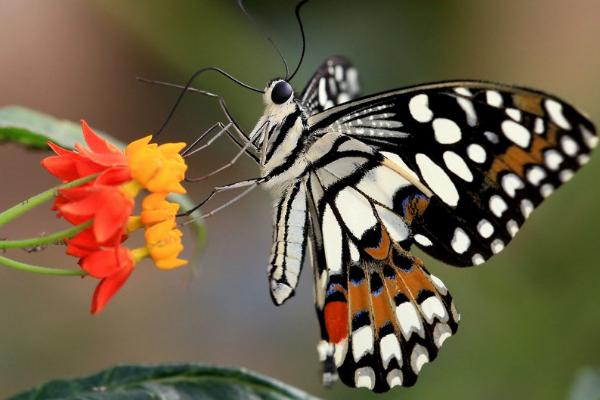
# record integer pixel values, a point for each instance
(278, 92)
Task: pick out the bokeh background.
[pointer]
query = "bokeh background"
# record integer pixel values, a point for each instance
(530, 317)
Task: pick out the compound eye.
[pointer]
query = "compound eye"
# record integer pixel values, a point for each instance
(281, 92)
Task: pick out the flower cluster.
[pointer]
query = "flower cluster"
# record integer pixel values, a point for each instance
(107, 202)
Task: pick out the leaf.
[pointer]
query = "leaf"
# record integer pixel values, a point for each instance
(180, 381)
(33, 129)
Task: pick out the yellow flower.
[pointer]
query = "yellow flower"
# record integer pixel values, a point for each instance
(163, 240)
(159, 168)
(155, 209)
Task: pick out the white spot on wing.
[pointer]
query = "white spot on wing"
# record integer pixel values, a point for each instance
(457, 165)
(395, 225)
(590, 139)
(356, 211)
(437, 180)
(569, 145)
(422, 240)
(497, 205)
(565, 175)
(340, 351)
(477, 259)
(364, 377)
(516, 133)
(497, 246)
(390, 348)
(469, 110)
(362, 342)
(409, 320)
(526, 207)
(553, 159)
(555, 110)
(381, 184)
(332, 240)
(439, 285)
(546, 190)
(493, 98)
(419, 108)
(441, 332)
(394, 378)
(514, 113)
(418, 358)
(476, 153)
(535, 175)
(446, 131)
(511, 183)
(485, 228)
(512, 227)
(432, 307)
(460, 241)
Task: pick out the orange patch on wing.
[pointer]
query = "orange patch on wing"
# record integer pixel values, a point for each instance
(382, 309)
(414, 280)
(336, 321)
(515, 158)
(415, 208)
(528, 103)
(359, 297)
(381, 252)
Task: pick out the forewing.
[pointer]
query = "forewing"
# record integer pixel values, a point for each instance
(382, 315)
(335, 82)
(484, 154)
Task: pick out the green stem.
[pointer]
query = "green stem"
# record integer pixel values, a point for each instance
(36, 269)
(39, 199)
(53, 238)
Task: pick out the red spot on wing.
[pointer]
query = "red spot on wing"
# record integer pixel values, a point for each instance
(336, 320)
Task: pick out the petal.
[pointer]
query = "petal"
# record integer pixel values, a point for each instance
(95, 142)
(61, 167)
(107, 288)
(111, 216)
(114, 176)
(171, 149)
(104, 263)
(171, 263)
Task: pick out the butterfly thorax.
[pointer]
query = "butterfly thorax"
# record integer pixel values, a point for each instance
(281, 135)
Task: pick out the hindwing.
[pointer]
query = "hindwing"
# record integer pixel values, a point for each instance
(382, 315)
(335, 82)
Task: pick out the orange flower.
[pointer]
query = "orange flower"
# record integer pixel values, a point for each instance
(108, 201)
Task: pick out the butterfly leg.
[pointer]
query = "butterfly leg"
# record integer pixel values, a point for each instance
(250, 185)
(195, 147)
(241, 152)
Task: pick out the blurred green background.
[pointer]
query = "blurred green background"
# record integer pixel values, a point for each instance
(530, 317)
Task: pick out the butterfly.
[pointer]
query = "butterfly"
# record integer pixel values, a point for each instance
(452, 168)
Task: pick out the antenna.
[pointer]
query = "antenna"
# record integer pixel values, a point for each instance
(189, 83)
(275, 47)
(297, 12)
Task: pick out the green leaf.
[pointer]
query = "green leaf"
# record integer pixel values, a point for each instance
(181, 381)
(33, 129)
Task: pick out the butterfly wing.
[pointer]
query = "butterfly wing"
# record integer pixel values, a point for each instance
(382, 315)
(335, 82)
(485, 155)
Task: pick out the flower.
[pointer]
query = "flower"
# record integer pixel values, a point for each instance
(157, 168)
(108, 200)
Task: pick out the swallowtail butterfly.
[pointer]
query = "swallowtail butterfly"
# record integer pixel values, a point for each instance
(453, 168)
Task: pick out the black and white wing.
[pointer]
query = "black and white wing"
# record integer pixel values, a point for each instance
(455, 168)
(486, 155)
(335, 82)
(382, 315)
